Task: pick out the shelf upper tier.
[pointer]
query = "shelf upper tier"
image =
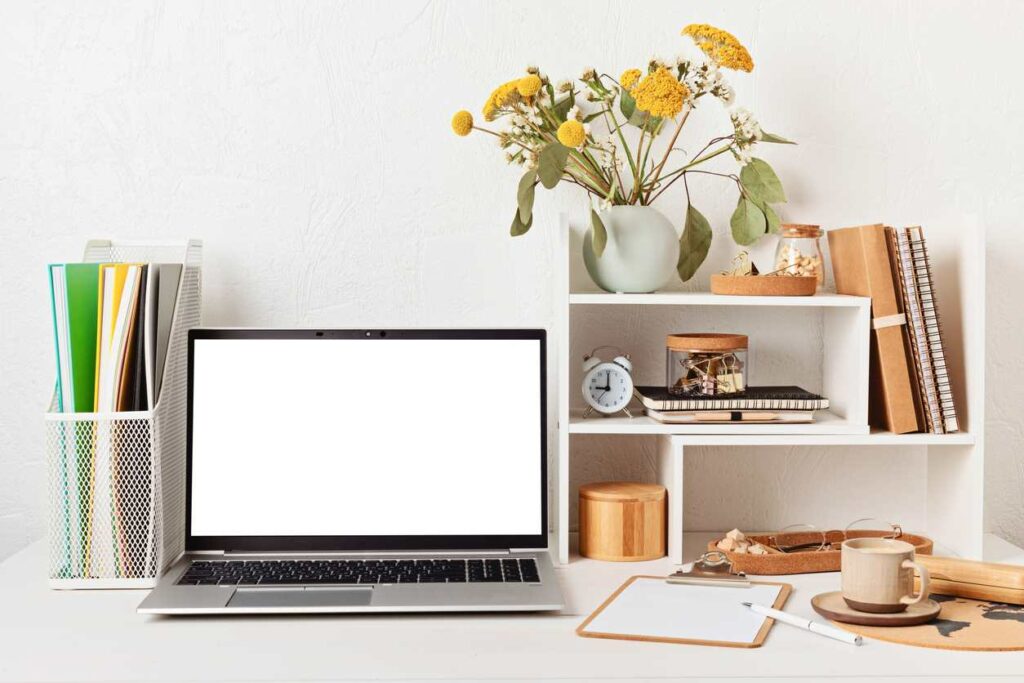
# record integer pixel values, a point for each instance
(828, 429)
(709, 299)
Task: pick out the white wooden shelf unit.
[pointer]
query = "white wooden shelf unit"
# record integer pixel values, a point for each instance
(955, 472)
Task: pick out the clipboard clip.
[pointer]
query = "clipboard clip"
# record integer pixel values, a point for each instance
(712, 568)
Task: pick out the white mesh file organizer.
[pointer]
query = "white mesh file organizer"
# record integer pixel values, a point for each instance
(117, 480)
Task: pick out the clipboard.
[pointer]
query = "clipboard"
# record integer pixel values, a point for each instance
(647, 608)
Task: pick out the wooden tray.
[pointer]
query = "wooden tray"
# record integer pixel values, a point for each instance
(807, 562)
(764, 285)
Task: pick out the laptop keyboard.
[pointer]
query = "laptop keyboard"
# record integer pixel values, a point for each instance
(318, 572)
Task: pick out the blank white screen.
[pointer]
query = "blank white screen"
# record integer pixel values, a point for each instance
(309, 437)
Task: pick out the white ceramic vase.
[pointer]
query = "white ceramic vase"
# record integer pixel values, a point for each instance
(641, 253)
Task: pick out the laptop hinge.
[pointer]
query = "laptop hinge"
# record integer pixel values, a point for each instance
(204, 552)
(362, 553)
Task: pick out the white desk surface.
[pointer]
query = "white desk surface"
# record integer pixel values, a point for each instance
(48, 635)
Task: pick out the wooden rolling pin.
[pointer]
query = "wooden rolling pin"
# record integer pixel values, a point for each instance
(975, 580)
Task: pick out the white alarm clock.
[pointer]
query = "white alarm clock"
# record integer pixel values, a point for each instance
(607, 385)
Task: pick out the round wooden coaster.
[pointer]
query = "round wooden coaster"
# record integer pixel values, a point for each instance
(832, 606)
(962, 624)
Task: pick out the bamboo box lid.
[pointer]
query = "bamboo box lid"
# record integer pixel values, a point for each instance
(622, 492)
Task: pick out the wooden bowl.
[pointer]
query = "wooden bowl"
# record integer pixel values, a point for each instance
(807, 562)
(764, 285)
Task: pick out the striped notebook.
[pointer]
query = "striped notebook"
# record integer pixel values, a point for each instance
(754, 398)
(915, 279)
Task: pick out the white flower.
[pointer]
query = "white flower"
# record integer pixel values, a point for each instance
(748, 130)
(574, 113)
(725, 93)
(586, 128)
(741, 155)
(588, 74)
(564, 85)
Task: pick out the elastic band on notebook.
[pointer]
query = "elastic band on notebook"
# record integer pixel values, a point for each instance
(889, 321)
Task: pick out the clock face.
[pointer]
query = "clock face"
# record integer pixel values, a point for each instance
(608, 388)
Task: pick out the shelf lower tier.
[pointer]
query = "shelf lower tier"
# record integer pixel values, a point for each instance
(829, 429)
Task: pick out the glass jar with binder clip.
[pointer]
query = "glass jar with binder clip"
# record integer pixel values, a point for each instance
(799, 252)
(706, 364)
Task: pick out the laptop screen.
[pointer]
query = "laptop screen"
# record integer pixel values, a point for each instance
(375, 440)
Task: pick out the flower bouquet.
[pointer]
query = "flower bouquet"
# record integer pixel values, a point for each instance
(606, 137)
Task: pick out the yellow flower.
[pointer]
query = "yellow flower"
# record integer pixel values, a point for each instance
(660, 94)
(629, 78)
(462, 122)
(502, 96)
(528, 86)
(720, 46)
(572, 134)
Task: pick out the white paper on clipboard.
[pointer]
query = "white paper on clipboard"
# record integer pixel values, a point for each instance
(652, 608)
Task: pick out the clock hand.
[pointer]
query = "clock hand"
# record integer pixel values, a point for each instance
(608, 380)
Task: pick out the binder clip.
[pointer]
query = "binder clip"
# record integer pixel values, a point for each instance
(713, 568)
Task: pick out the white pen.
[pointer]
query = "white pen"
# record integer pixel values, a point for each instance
(807, 624)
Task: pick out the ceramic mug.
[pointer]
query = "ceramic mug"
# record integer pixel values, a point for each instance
(878, 575)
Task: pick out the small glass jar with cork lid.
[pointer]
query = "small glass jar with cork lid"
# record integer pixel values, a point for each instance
(706, 363)
(799, 252)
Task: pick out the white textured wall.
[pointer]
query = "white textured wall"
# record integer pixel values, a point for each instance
(308, 145)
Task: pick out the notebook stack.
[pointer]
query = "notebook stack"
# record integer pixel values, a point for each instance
(756, 405)
(910, 388)
(112, 325)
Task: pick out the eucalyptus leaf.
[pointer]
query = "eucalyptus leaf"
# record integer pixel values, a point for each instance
(520, 227)
(563, 106)
(600, 236)
(591, 117)
(747, 222)
(627, 105)
(527, 189)
(771, 217)
(551, 163)
(778, 139)
(761, 182)
(635, 116)
(693, 244)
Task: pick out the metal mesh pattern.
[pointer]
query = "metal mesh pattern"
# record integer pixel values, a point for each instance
(117, 480)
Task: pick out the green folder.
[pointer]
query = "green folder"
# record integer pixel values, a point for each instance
(83, 283)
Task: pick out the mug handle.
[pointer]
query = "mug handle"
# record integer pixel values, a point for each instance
(922, 594)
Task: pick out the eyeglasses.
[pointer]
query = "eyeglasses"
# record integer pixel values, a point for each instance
(802, 538)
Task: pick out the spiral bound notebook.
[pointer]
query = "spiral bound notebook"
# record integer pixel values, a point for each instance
(914, 277)
(754, 398)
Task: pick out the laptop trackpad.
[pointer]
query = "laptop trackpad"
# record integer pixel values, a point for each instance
(300, 597)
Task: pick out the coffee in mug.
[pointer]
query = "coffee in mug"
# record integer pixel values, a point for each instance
(878, 575)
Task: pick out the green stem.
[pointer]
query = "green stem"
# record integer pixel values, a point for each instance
(618, 130)
(686, 169)
(664, 159)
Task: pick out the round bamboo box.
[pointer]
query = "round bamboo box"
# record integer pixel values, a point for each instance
(622, 521)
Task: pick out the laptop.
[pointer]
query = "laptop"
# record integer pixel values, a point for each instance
(364, 471)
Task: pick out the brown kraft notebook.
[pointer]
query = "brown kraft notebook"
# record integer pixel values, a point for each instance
(862, 267)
